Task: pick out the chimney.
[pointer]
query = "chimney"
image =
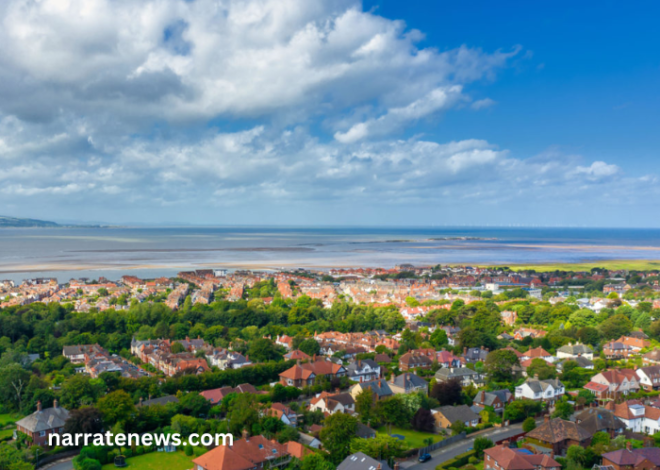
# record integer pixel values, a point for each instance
(552, 454)
(546, 418)
(396, 466)
(629, 446)
(314, 357)
(379, 467)
(464, 351)
(536, 376)
(140, 403)
(39, 405)
(55, 403)
(337, 390)
(505, 444)
(246, 435)
(298, 361)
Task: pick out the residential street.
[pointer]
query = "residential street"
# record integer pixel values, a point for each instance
(443, 454)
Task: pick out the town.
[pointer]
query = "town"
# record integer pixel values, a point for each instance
(420, 367)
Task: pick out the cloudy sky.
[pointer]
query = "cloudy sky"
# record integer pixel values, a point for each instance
(308, 112)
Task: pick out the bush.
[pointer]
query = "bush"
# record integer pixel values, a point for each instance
(189, 450)
(529, 424)
(473, 460)
(456, 462)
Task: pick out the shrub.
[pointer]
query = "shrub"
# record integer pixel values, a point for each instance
(189, 450)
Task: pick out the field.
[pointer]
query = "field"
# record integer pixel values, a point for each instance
(157, 461)
(637, 265)
(413, 438)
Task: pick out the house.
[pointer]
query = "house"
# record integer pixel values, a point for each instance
(448, 360)
(361, 461)
(365, 432)
(296, 355)
(537, 353)
(76, 354)
(309, 440)
(580, 360)
(216, 395)
(646, 458)
(652, 358)
(474, 355)
(445, 416)
(595, 420)
(463, 374)
(363, 370)
(615, 350)
(497, 399)
(409, 383)
(636, 416)
(635, 343)
(558, 435)
(571, 351)
(43, 422)
(411, 361)
(540, 390)
(618, 381)
(503, 457)
(649, 377)
(333, 403)
(249, 453)
(162, 401)
(285, 341)
(297, 450)
(382, 359)
(284, 414)
(296, 376)
(380, 388)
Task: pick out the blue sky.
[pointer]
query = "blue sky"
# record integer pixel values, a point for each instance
(330, 112)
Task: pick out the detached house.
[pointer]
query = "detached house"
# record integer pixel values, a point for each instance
(558, 435)
(363, 370)
(414, 361)
(380, 388)
(540, 390)
(249, 453)
(43, 422)
(463, 374)
(646, 458)
(613, 383)
(409, 383)
(333, 403)
(571, 351)
(445, 416)
(649, 377)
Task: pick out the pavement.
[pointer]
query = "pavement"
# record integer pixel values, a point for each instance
(445, 453)
(66, 464)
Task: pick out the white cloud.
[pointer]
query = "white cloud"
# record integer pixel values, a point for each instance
(481, 104)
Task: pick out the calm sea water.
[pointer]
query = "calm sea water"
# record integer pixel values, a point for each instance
(111, 252)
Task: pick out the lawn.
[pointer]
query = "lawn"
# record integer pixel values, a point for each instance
(414, 439)
(634, 264)
(157, 461)
(9, 418)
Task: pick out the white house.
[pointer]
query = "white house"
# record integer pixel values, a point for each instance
(331, 404)
(363, 370)
(540, 390)
(570, 351)
(649, 377)
(638, 417)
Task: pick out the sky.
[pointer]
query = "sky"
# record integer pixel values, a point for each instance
(330, 112)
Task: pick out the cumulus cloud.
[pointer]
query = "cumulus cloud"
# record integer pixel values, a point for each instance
(143, 106)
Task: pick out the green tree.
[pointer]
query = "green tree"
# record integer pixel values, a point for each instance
(382, 447)
(499, 365)
(563, 410)
(310, 347)
(316, 461)
(364, 405)
(481, 444)
(337, 435)
(529, 424)
(116, 407)
(615, 327)
(542, 369)
(177, 348)
(457, 427)
(263, 349)
(439, 338)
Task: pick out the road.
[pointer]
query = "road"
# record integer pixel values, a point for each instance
(61, 465)
(445, 453)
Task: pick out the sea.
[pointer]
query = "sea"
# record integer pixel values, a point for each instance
(67, 253)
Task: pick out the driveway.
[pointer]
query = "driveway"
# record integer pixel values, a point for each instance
(60, 465)
(445, 453)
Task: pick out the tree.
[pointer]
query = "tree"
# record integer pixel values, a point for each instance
(529, 424)
(116, 407)
(382, 447)
(499, 365)
(337, 435)
(601, 438)
(481, 444)
(563, 410)
(310, 347)
(13, 384)
(615, 327)
(439, 338)
(457, 427)
(542, 369)
(84, 421)
(316, 461)
(392, 411)
(263, 349)
(448, 392)
(244, 412)
(521, 409)
(177, 348)
(364, 405)
(423, 420)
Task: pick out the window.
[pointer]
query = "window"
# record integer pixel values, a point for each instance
(42, 433)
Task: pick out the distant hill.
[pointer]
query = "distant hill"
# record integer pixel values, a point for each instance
(16, 222)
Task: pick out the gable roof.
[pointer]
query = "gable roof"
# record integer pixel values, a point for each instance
(457, 413)
(558, 430)
(49, 418)
(361, 461)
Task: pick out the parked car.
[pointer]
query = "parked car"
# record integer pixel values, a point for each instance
(424, 458)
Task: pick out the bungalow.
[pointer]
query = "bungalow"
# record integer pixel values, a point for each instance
(595, 420)
(571, 351)
(537, 353)
(646, 458)
(445, 416)
(558, 435)
(249, 453)
(333, 403)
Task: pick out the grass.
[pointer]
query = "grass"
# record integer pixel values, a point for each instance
(414, 439)
(9, 418)
(634, 264)
(157, 461)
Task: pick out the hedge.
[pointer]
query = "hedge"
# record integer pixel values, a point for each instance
(457, 461)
